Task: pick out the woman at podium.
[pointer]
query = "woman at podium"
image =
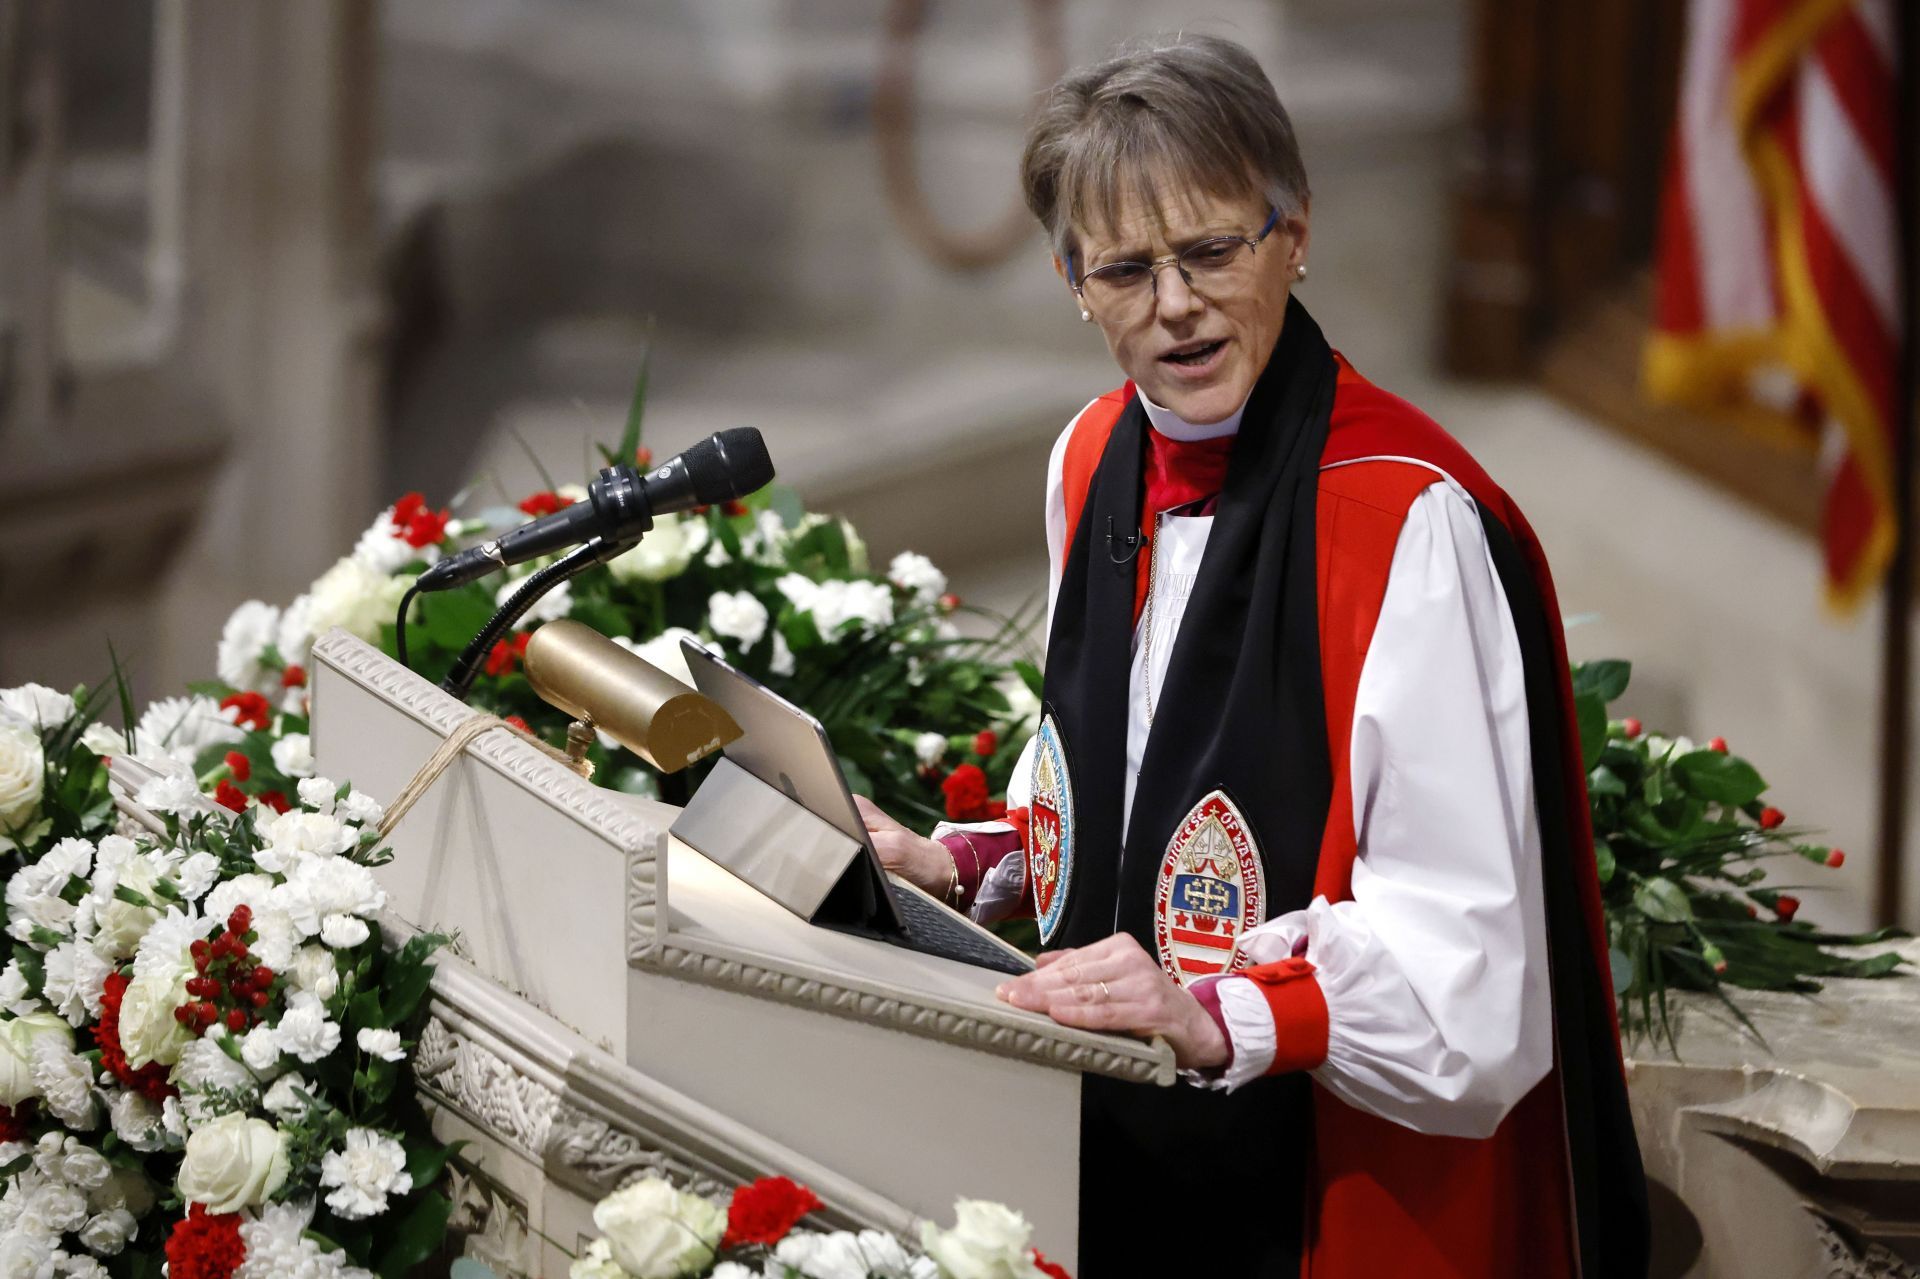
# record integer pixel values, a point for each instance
(1306, 799)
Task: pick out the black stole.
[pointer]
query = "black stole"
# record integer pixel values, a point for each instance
(1163, 1171)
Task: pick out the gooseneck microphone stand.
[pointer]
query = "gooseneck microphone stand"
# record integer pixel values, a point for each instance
(459, 680)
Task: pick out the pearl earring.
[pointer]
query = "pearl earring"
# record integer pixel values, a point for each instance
(1300, 272)
(1085, 314)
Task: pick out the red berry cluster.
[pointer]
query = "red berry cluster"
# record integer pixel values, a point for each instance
(227, 987)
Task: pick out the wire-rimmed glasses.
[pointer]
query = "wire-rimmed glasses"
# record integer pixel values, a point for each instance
(1217, 268)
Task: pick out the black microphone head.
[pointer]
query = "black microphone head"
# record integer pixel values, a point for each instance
(729, 464)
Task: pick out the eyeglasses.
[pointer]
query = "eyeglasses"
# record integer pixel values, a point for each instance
(1217, 268)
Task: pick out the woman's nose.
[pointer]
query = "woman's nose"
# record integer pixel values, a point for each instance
(1173, 296)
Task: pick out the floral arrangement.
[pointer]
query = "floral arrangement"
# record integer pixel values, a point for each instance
(203, 1051)
(926, 721)
(1680, 835)
(652, 1230)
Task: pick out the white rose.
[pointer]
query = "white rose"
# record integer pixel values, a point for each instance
(663, 652)
(108, 1232)
(737, 616)
(355, 598)
(293, 755)
(664, 552)
(23, 770)
(988, 1241)
(233, 1163)
(916, 575)
(384, 1044)
(243, 640)
(148, 1031)
(657, 1232)
(19, 1037)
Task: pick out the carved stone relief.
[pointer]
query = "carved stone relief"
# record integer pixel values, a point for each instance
(1844, 1260)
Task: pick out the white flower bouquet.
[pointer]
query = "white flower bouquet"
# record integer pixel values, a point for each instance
(652, 1230)
(203, 1050)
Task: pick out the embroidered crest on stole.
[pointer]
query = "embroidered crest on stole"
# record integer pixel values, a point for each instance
(1050, 833)
(1211, 890)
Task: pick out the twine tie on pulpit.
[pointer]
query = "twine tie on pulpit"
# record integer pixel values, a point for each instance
(452, 748)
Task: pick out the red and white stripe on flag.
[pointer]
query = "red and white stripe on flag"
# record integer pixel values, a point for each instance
(1777, 296)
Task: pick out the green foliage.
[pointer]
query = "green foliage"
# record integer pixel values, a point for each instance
(1680, 836)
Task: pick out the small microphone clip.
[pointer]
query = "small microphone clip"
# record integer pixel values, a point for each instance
(1131, 541)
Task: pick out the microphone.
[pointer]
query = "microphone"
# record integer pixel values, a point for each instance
(621, 505)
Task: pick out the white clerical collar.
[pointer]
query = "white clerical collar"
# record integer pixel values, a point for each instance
(1175, 427)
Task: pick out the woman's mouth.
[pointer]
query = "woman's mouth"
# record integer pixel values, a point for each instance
(1195, 360)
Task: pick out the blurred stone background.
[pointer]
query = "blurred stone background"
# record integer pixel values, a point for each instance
(266, 266)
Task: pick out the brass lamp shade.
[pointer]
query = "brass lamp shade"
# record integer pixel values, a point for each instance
(580, 671)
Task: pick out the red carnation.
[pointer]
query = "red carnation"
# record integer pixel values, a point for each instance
(409, 505)
(1718, 744)
(764, 1212)
(545, 504)
(519, 723)
(734, 509)
(1786, 907)
(150, 1081)
(985, 743)
(966, 792)
(643, 457)
(205, 1245)
(506, 654)
(253, 709)
(294, 676)
(1836, 859)
(227, 795)
(1630, 726)
(1770, 818)
(949, 602)
(239, 765)
(996, 810)
(1050, 1268)
(275, 800)
(426, 528)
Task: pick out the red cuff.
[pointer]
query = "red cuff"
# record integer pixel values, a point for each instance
(1299, 1013)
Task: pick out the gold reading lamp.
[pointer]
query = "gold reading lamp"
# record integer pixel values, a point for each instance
(608, 689)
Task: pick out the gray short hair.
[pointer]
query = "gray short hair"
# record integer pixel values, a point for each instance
(1193, 109)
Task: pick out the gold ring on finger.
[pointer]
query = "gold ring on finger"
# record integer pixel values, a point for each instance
(1105, 994)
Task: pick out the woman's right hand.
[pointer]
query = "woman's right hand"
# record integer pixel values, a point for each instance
(924, 863)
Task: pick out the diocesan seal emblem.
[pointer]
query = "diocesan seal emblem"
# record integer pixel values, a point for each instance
(1210, 891)
(1050, 833)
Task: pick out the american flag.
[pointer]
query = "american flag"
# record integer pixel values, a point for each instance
(1777, 301)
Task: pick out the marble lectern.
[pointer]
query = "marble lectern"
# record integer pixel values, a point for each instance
(619, 1003)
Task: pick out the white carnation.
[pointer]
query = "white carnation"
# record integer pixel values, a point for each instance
(65, 1083)
(916, 575)
(278, 1247)
(182, 727)
(343, 932)
(782, 663)
(321, 886)
(296, 634)
(104, 740)
(317, 793)
(82, 1166)
(107, 1233)
(384, 1044)
(930, 748)
(170, 793)
(36, 707)
(16, 999)
(737, 616)
(250, 629)
(196, 874)
(210, 1082)
(289, 1097)
(260, 1050)
(293, 755)
(371, 1167)
(799, 590)
(74, 977)
(362, 809)
(384, 551)
(135, 1119)
(551, 607)
(296, 836)
(304, 1030)
(866, 605)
